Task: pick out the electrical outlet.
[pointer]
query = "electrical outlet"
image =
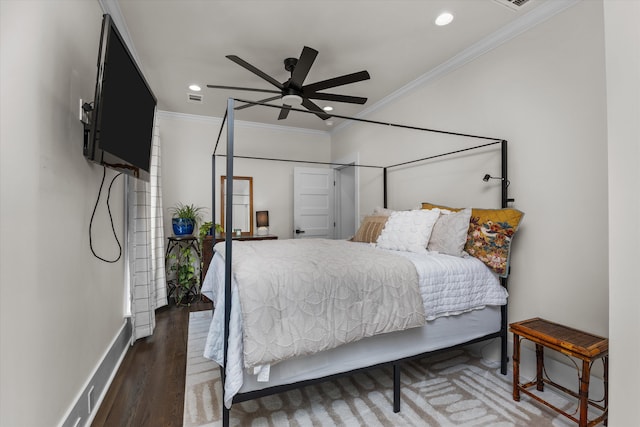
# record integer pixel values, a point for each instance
(90, 400)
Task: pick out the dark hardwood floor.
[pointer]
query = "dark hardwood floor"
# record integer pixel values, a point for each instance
(148, 389)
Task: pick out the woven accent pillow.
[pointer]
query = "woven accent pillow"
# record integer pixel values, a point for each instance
(408, 230)
(449, 233)
(370, 229)
(490, 234)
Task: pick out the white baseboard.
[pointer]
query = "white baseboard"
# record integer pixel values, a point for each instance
(84, 409)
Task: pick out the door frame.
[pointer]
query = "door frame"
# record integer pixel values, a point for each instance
(350, 159)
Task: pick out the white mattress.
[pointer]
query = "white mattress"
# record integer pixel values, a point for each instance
(440, 333)
(455, 292)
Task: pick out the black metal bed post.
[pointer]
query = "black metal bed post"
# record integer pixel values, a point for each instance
(213, 190)
(228, 246)
(504, 358)
(384, 191)
(505, 180)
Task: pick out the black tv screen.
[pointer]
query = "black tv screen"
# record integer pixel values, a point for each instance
(121, 127)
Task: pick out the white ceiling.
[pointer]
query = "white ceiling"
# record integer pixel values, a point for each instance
(182, 42)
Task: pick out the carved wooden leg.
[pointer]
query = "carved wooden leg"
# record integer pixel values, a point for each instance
(584, 393)
(516, 367)
(539, 367)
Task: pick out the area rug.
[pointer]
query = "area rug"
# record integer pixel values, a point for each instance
(452, 389)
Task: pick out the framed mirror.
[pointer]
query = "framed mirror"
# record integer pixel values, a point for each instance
(242, 203)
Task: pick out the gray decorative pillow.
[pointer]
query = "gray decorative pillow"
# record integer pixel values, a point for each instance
(449, 233)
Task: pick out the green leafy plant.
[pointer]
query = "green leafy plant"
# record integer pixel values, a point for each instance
(205, 227)
(187, 211)
(203, 231)
(186, 279)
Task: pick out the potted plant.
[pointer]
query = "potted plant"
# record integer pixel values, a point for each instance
(185, 283)
(208, 229)
(185, 218)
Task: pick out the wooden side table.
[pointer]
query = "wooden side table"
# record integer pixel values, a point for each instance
(572, 342)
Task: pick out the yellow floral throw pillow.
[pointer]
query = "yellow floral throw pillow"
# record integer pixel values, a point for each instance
(490, 234)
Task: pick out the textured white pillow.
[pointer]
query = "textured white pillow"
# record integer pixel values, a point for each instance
(449, 234)
(408, 230)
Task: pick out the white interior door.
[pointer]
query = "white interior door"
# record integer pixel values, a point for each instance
(313, 199)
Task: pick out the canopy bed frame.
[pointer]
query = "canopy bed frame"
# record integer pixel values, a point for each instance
(228, 255)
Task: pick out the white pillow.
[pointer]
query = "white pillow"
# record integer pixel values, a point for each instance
(408, 230)
(449, 234)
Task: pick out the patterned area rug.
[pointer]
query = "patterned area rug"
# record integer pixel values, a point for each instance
(451, 389)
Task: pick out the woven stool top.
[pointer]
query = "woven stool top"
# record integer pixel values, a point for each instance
(577, 342)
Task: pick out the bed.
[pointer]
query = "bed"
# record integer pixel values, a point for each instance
(456, 298)
(254, 367)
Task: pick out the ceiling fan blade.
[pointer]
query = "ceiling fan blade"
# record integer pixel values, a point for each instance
(273, 98)
(244, 88)
(255, 71)
(311, 106)
(284, 111)
(337, 81)
(302, 68)
(337, 98)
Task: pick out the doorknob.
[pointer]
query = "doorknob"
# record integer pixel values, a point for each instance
(298, 231)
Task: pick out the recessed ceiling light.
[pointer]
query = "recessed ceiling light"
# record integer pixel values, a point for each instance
(195, 88)
(329, 123)
(444, 18)
(327, 108)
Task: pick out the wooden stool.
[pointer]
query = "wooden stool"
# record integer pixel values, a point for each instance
(569, 341)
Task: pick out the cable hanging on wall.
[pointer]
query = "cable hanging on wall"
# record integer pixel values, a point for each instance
(104, 174)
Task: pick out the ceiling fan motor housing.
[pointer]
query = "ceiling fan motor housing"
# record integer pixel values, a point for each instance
(290, 64)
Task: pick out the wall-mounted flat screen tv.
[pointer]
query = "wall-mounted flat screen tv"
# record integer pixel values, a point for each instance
(120, 129)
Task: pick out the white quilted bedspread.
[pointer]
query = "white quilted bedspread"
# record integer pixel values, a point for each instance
(448, 285)
(301, 297)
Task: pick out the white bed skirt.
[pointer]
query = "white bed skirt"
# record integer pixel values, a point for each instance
(437, 334)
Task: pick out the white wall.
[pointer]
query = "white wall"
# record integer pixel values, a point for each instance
(622, 35)
(543, 91)
(187, 144)
(60, 307)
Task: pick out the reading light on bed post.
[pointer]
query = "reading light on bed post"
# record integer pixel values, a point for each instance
(487, 177)
(262, 221)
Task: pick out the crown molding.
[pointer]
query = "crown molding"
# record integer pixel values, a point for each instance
(487, 44)
(112, 8)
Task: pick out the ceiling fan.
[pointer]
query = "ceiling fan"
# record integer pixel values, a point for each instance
(294, 91)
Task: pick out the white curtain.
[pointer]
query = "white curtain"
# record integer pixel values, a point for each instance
(147, 281)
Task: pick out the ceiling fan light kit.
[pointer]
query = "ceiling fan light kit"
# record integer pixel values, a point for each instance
(294, 92)
(292, 100)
